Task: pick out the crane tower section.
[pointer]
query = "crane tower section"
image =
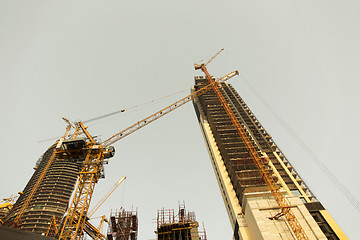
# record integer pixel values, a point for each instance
(252, 209)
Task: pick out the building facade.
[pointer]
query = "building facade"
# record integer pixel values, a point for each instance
(50, 198)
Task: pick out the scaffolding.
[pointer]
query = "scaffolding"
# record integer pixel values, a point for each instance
(123, 225)
(182, 226)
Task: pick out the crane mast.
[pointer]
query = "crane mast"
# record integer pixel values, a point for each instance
(89, 175)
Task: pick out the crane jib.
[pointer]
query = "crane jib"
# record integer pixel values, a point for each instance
(165, 111)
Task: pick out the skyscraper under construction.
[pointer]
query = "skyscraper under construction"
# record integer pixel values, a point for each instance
(252, 209)
(50, 198)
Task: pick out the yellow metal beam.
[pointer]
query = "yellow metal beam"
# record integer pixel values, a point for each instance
(337, 230)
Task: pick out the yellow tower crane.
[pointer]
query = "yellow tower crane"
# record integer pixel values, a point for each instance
(260, 161)
(95, 153)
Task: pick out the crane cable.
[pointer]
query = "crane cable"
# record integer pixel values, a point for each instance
(135, 106)
(350, 197)
(122, 110)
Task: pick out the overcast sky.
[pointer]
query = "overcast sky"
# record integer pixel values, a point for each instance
(83, 59)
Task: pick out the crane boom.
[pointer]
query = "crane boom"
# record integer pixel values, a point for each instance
(214, 56)
(198, 66)
(97, 206)
(164, 111)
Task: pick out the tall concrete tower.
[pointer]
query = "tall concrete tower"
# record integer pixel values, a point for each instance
(253, 212)
(51, 197)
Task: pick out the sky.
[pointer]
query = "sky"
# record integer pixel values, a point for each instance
(298, 62)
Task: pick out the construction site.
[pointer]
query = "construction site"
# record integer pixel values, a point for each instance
(263, 194)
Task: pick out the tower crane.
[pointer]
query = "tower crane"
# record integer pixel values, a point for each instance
(95, 153)
(260, 161)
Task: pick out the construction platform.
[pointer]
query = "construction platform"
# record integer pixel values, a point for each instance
(123, 225)
(182, 226)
